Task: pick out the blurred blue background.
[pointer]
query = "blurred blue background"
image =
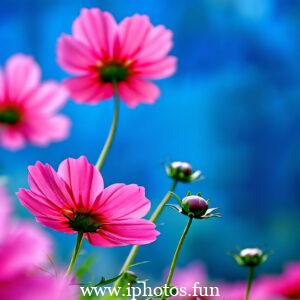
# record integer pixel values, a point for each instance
(232, 110)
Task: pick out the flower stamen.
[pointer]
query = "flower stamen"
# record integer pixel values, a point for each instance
(83, 222)
(10, 115)
(113, 72)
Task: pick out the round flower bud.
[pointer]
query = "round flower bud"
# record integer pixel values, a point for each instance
(194, 206)
(182, 171)
(251, 257)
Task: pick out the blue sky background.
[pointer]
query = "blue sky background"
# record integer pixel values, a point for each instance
(232, 110)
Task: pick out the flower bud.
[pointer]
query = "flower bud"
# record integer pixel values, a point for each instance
(194, 206)
(182, 171)
(251, 257)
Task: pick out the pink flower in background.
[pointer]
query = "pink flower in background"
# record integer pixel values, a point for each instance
(28, 108)
(73, 199)
(186, 277)
(237, 290)
(101, 52)
(40, 286)
(286, 285)
(24, 250)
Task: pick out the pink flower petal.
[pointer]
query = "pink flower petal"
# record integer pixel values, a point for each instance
(11, 138)
(2, 87)
(126, 232)
(22, 74)
(74, 56)
(132, 33)
(5, 212)
(88, 89)
(120, 201)
(96, 29)
(48, 97)
(39, 205)
(135, 91)
(40, 286)
(44, 181)
(84, 180)
(157, 69)
(26, 249)
(41, 130)
(156, 46)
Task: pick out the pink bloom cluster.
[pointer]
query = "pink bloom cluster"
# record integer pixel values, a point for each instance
(24, 251)
(73, 199)
(28, 108)
(100, 52)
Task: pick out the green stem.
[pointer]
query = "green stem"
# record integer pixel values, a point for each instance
(75, 252)
(162, 204)
(176, 254)
(134, 250)
(249, 283)
(112, 131)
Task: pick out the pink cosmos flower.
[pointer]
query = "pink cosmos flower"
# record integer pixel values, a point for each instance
(101, 52)
(24, 250)
(28, 108)
(73, 199)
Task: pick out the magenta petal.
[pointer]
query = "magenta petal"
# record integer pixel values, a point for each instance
(126, 232)
(121, 201)
(74, 56)
(26, 248)
(44, 181)
(84, 180)
(43, 130)
(88, 89)
(132, 33)
(12, 139)
(132, 231)
(40, 286)
(22, 75)
(2, 87)
(156, 46)
(157, 69)
(48, 97)
(137, 91)
(96, 29)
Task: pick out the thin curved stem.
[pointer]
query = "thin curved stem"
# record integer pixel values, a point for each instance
(162, 204)
(75, 252)
(176, 255)
(134, 250)
(249, 283)
(112, 131)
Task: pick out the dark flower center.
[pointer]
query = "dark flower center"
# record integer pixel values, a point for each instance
(82, 222)
(9, 115)
(113, 72)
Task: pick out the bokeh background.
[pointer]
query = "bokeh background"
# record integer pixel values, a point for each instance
(232, 110)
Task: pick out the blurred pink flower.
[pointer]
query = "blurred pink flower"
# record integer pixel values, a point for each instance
(24, 250)
(74, 200)
(40, 286)
(101, 51)
(186, 278)
(286, 285)
(237, 290)
(28, 108)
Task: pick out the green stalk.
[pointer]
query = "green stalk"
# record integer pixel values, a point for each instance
(112, 131)
(176, 255)
(249, 283)
(75, 252)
